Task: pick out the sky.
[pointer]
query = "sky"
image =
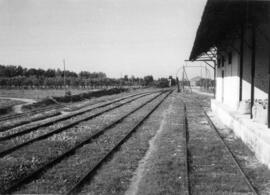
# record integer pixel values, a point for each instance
(118, 37)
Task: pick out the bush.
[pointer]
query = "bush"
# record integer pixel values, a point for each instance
(162, 83)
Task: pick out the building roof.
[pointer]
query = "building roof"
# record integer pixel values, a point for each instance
(223, 18)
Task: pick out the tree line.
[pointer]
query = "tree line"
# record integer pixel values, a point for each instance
(19, 77)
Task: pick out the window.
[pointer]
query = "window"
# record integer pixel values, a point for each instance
(230, 58)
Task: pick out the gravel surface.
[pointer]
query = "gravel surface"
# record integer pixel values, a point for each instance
(152, 161)
(163, 169)
(258, 174)
(44, 130)
(60, 178)
(212, 170)
(39, 152)
(27, 119)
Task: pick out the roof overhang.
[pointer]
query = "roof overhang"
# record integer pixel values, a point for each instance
(225, 17)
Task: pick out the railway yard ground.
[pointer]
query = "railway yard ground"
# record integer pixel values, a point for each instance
(149, 141)
(37, 93)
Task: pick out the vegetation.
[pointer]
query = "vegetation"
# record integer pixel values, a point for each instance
(162, 83)
(75, 98)
(17, 77)
(205, 83)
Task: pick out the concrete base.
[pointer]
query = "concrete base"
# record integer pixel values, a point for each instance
(255, 135)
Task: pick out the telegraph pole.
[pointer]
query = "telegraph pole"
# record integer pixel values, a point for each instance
(64, 63)
(183, 79)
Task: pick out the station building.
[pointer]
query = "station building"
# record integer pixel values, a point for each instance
(234, 38)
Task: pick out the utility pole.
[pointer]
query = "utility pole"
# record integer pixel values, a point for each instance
(177, 80)
(64, 63)
(183, 79)
(206, 77)
(201, 78)
(187, 80)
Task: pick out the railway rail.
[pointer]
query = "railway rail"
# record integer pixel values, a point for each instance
(36, 173)
(185, 125)
(67, 126)
(213, 127)
(65, 117)
(58, 107)
(90, 171)
(29, 113)
(245, 177)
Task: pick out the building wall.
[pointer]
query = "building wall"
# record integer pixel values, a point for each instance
(231, 82)
(246, 88)
(228, 87)
(262, 64)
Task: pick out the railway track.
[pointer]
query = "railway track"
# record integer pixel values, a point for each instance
(64, 127)
(36, 173)
(90, 173)
(83, 180)
(29, 113)
(65, 117)
(185, 125)
(232, 156)
(245, 177)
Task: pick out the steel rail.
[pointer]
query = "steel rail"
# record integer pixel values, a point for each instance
(67, 126)
(13, 116)
(212, 125)
(75, 188)
(83, 111)
(51, 107)
(28, 121)
(251, 187)
(34, 174)
(186, 149)
(33, 128)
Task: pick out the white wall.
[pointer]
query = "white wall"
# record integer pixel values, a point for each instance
(231, 72)
(231, 79)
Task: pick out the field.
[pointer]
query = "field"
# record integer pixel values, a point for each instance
(7, 103)
(37, 93)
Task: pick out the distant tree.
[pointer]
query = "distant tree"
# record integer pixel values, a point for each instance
(10, 71)
(126, 78)
(20, 71)
(84, 74)
(31, 72)
(50, 73)
(148, 80)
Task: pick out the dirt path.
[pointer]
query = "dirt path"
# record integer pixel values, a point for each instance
(162, 170)
(26, 100)
(202, 93)
(18, 108)
(133, 189)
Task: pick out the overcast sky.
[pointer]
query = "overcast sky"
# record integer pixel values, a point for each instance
(118, 37)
